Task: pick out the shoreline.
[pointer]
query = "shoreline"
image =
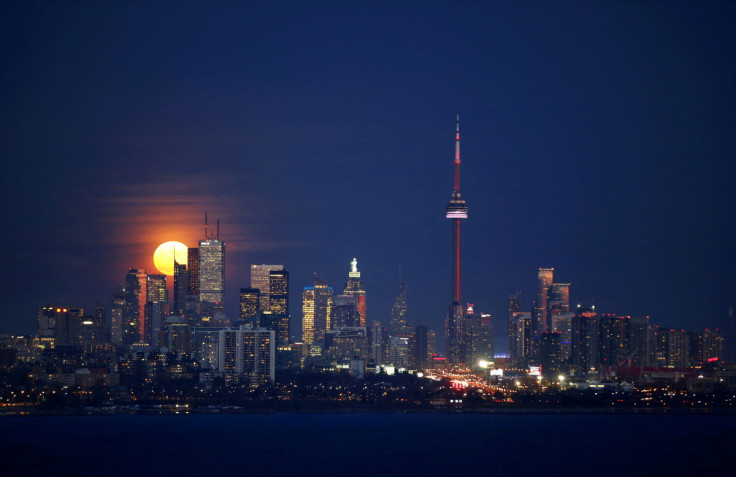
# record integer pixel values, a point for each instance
(233, 410)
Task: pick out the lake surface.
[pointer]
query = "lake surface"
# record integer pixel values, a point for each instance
(370, 444)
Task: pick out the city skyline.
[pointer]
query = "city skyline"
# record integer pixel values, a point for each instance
(598, 142)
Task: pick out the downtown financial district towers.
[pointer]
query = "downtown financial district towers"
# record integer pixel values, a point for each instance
(249, 349)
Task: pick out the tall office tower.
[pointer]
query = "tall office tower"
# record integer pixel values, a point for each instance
(68, 326)
(181, 287)
(344, 311)
(247, 356)
(354, 286)
(157, 305)
(211, 275)
(640, 342)
(249, 305)
(695, 349)
(46, 333)
(540, 323)
(91, 330)
(613, 340)
(399, 324)
(193, 272)
(379, 343)
(558, 301)
(562, 323)
(316, 312)
(584, 353)
(101, 318)
(421, 347)
(278, 304)
(456, 211)
(117, 318)
(513, 306)
(513, 309)
(477, 338)
(260, 278)
(520, 339)
(550, 359)
(134, 316)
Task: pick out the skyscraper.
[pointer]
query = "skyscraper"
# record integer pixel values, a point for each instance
(399, 323)
(344, 311)
(316, 312)
(134, 320)
(260, 279)
(584, 352)
(156, 307)
(456, 211)
(558, 302)
(211, 274)
(249, 305)
(278, 304)
(117, 318)
(477, 338)
(540, 323)
(193, 272)
(354, 286)
(181, 285)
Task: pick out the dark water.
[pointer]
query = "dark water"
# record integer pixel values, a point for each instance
(369, 444)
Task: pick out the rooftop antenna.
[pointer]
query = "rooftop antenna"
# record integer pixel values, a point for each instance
(206, 236)
(218, 230)
(400, 279)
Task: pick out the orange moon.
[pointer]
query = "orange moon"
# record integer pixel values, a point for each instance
(165, 255)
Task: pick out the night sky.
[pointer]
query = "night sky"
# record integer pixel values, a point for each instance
(597, 138)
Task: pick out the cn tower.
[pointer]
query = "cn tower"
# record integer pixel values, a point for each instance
(456, 211)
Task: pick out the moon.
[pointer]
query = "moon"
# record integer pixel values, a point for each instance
(165, 255)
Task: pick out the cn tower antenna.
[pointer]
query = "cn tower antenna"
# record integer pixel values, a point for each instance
(457, 155)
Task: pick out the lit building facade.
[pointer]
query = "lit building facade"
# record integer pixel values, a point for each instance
(260, 279)
(584, 349)
(212, 273)
(316, 312)
(193, 272)
(278, 304)
(540, 324)
(399, 323)
(247, 355)
(134, 322)
(354, 286)
(181, 285)
(344, 312)
(249, 305)
(157, 307)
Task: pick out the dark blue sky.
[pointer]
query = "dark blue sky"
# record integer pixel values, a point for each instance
(597, 138)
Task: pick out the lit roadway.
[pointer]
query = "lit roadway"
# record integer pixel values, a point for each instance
(467, 378)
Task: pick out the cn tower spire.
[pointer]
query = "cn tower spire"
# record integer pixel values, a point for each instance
(456, 189)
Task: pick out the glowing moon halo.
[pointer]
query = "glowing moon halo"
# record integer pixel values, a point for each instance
(165, 255)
